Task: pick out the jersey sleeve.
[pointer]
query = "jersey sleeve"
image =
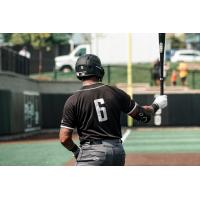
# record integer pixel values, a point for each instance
(127, 104)
(68, 118)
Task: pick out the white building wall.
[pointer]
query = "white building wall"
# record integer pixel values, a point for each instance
(113, 47)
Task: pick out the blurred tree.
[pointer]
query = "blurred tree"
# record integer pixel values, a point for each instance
(1, 39)
(19, 38)
(177, 42)
(60, 39)
(38, 41)
(5, 38)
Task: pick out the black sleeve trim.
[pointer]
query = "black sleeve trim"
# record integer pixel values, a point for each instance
(132, 109)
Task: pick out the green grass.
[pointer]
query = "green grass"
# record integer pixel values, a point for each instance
(141, 73)
(52, 153)
(42, 153)
(118, 74)
(165, 141)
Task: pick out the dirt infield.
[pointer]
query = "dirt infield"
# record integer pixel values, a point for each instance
(173, 159)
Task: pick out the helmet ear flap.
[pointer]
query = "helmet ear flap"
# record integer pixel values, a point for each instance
(102, 72)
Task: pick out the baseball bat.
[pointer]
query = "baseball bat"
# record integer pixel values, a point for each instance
(162, 52)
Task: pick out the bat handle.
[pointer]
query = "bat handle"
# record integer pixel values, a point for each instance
(161, 85)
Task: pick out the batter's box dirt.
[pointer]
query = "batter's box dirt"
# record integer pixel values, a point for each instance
(173, 159)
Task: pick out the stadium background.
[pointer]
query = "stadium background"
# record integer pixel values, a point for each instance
(31, 107)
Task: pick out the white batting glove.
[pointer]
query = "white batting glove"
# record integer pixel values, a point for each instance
(161, 101)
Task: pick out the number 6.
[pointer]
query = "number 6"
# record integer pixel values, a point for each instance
(101, 111)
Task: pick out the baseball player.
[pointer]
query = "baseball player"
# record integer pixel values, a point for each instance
(94, 111)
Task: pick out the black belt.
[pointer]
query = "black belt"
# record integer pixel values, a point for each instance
(92, 142)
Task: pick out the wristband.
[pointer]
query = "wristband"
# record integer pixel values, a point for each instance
(142, 116)
(155, 107)
(75, 150)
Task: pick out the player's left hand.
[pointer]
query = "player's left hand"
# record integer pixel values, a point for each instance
(161, 101)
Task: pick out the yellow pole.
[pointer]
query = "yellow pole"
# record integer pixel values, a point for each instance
(129, 74)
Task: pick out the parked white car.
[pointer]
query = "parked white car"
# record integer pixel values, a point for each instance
(186, 55)
(68, 61)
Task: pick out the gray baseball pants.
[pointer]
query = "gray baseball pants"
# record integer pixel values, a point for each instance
(109, 153)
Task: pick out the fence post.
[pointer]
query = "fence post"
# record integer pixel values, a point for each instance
(108, 72)
(55, 74)
(0, 59)
(28, 66)
(150, 79)
(193, 79)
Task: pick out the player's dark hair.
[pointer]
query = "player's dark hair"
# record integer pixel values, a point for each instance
(87, 78)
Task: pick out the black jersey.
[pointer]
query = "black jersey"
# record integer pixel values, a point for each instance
(95, 111)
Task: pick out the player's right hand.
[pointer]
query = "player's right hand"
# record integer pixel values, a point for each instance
(161, 101)
(76, 153)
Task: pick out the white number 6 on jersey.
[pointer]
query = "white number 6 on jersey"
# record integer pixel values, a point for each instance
(101, 111)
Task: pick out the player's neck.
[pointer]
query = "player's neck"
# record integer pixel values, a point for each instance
(90, 81)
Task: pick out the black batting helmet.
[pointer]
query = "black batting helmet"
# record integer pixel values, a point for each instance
(89, 65)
